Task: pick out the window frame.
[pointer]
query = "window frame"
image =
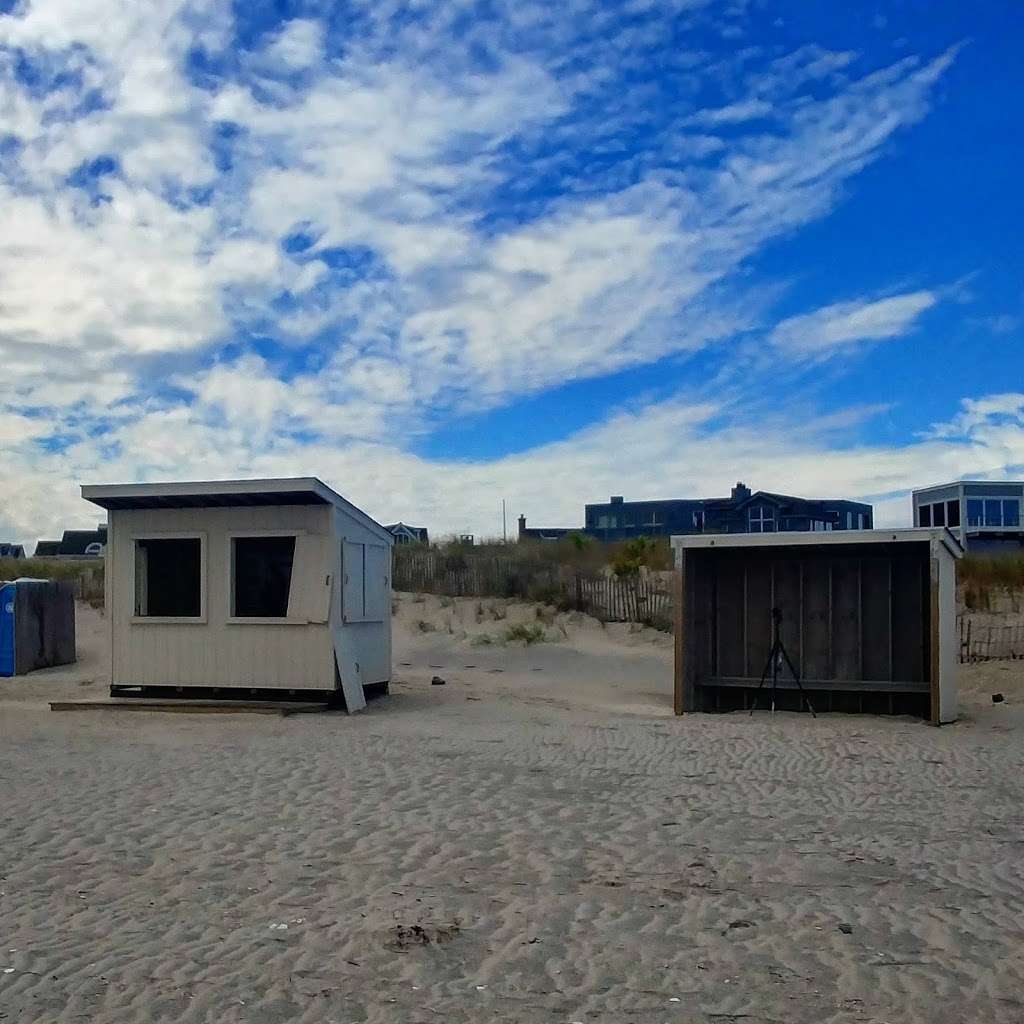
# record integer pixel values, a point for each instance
(761, 519)
(170, 620)
(260, 620)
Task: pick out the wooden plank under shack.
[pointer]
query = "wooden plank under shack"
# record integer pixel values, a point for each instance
(193, 707)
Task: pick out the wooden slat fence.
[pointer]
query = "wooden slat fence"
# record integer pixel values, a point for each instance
(988, 641)
(643, 598)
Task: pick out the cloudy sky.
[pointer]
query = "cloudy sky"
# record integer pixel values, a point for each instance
(444, 253)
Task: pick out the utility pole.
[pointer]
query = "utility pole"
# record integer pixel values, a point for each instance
(504, 527)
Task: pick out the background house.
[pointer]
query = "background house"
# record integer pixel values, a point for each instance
(75, 544)
(405, 534)
(11, 550)
(544, 532)
(744, 511)
(982, 515)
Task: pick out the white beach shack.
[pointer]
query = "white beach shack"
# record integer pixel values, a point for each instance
(245, 588)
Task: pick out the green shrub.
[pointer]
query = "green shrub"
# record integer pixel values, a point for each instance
(526, 634)
(632, 555)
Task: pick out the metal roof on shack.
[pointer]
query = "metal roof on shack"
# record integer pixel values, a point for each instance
(225, 494)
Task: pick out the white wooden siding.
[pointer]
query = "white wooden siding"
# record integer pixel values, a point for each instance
(218, 652)
(377, 583)
(353, 567)
(363, 647)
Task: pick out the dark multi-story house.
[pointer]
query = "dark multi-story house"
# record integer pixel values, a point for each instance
(744, 511)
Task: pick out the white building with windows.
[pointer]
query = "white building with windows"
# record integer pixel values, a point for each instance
(245, 587)
(985, 516)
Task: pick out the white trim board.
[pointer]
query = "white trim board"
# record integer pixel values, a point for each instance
(807, 538)
(99, 494)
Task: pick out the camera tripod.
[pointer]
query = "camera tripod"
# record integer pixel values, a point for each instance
(776, 657)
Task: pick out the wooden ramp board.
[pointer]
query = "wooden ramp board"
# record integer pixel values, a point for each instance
(193, 707)
(348, 675)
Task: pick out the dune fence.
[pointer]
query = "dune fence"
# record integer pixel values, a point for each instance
(982, 640)
(84, 574)
(643, 597)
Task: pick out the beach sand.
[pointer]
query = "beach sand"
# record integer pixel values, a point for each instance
(541, 843)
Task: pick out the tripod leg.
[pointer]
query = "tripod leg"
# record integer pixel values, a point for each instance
(775, 674)
(799, 684)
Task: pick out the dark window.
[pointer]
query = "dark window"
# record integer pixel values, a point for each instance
(168, 577)
(939, 514)
(924, 515)
(1011, 512)
(993, 512)
(261, 576)
(762, 519)
(952, 513)
(975, 511)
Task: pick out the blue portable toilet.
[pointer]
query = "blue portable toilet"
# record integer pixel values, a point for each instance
(37, 625)
(7, 594)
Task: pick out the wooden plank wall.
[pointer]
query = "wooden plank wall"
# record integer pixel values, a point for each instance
(44, 625)
(695, 628)
(862, 619)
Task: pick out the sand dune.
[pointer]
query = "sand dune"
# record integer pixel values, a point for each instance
(541, 843)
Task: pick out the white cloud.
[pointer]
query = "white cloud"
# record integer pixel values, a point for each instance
(844, 324)
(667, 449)
(299, 44)
(394, 150)
(734, 113)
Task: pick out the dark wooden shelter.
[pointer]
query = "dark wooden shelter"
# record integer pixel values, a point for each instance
(37, 625)
(867, 618)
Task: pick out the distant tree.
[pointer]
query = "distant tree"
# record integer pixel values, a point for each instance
(632, 555)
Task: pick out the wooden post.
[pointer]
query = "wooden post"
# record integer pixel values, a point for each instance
(679, 589)
(933, 627)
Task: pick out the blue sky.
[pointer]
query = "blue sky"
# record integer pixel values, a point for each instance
(446, 254)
